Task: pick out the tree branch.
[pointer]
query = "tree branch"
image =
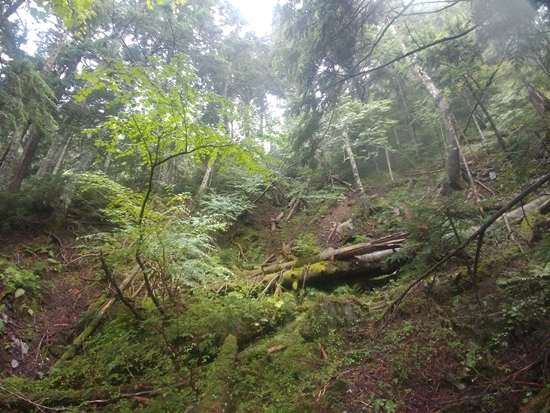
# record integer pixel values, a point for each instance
(386, 317)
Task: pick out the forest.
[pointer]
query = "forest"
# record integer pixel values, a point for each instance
(347, 213)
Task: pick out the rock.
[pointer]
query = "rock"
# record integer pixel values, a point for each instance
(20, 345)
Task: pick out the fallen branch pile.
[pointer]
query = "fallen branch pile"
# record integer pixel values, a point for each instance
(367, 258)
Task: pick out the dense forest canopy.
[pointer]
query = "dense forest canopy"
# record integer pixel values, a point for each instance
(224, 200)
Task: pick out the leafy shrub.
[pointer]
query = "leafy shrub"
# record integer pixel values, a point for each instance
(228, 206)
(17, 280)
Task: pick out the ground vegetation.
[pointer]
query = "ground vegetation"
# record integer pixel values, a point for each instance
(171, 240)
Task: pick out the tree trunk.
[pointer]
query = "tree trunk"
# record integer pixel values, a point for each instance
(358, 183)
(409, 120)
(11, 156)
(486, 113)
(28, 153)
(454, 174)
(15, 164)
(60, 212)
(94, 322)
(370, 265)
(540, 102)
(388, 161)
(51, 163)
(206, 179)
(481, 134)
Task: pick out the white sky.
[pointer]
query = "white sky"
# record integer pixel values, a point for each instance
(259, 14)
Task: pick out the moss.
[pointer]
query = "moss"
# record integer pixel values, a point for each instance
(528, 224)
(216, 388)
(495, 263)
(329, 314)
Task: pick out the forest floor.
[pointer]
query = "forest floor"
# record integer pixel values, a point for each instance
(46, 319)
(452, 346)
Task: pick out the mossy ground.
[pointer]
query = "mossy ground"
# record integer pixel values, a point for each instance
(454, 345)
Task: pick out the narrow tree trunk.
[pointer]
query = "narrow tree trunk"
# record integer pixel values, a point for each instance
(487, 115)
(15, 164)
(206, 178)
(454, 175)
(12, 155)
(25, 162)
(410, 122)
(358, 183)
(388, 161)
(94, 322)
(60, 213)
(481, 134)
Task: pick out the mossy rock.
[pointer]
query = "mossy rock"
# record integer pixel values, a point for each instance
(329, 314)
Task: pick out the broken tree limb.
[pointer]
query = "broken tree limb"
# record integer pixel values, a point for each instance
(71, 350)
(293, 208)
(344, 183)
(384, 320)
(330, 254)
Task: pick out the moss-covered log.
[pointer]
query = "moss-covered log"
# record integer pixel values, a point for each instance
(331, 254)
(370, 265)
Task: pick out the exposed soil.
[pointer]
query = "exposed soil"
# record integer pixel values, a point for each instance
(37, 327)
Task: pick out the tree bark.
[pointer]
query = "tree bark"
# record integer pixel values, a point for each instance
(10, 158)
(368, 265)
(454, 174)
(388, 161)
(360, 189)
(60, 212)
(540, 102)
(28, 153)
(15, 164)
(51, 163)
(206, 178)
(71, 350)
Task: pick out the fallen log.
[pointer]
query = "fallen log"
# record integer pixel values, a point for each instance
(518, 213)
(331, 254)
(373, 263)
(385, 319)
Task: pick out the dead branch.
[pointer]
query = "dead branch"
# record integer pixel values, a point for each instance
(118, 291)
(386, 317)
